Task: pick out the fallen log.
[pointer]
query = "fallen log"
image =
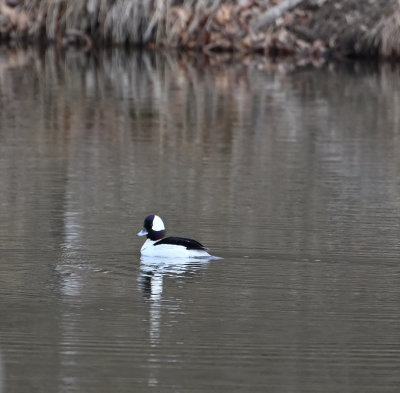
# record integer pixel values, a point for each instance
(269, 16)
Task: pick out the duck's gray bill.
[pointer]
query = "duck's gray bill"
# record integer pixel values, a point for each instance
(143, 232)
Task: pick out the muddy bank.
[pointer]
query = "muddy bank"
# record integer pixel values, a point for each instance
(304, 28)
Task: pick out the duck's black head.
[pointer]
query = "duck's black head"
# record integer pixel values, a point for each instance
(153, 228)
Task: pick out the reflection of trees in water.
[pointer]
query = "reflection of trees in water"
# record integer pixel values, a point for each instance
(274, 153)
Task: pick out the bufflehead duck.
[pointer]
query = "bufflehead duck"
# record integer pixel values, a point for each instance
(157, 245)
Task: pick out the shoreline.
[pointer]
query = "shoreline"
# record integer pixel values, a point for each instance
(308, 29)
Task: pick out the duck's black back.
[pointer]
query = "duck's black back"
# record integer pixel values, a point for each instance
(190, 244)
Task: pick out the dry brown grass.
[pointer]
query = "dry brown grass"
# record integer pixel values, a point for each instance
(312, 29)
(207, 25)
(108, 21)
(385, 37)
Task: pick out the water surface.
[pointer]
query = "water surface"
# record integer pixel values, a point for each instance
(290, 174)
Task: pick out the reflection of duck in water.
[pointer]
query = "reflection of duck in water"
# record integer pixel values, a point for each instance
(154, 269)
(157, 245)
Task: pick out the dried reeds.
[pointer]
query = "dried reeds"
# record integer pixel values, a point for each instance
(385, 37)
(278, 27)
(206, 25)
(132, 22)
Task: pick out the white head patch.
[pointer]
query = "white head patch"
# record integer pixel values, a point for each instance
(158, 224)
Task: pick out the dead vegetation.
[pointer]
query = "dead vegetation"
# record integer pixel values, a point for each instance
(305, 28)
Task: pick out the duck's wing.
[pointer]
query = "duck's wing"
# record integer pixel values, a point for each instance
(190, 244)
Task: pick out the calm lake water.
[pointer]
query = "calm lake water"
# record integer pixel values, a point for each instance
(290, 174)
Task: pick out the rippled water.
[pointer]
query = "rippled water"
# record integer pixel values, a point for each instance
(290, 174)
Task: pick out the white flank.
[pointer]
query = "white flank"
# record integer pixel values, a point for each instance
(170, 251)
